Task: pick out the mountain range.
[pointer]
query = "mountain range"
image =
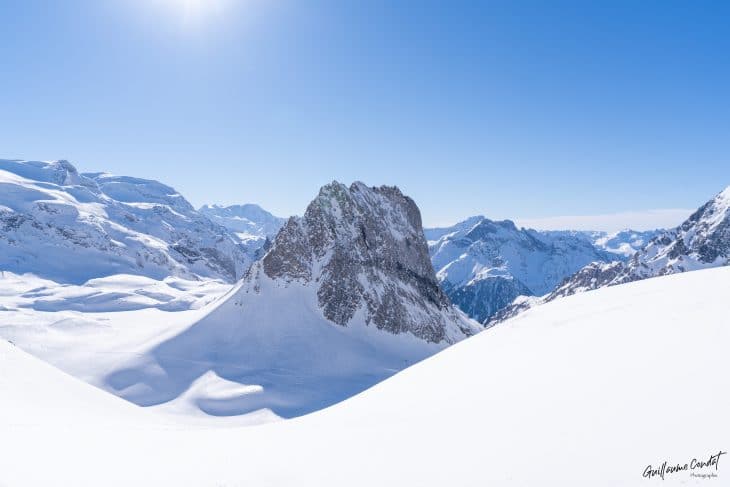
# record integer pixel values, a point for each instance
(483, 265)
(53, 216)
(344, 297)
(72, 227)
(317, 308)
(251, 223)
(700, 242)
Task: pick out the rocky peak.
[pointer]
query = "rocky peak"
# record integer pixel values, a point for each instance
(364, 250)
(702, 240)
(65, 174)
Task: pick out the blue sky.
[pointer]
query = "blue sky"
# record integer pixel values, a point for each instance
(511, 109)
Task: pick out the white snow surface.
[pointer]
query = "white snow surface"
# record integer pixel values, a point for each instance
(250, 222)
(72, 227)
(586, 390)
(623, 242)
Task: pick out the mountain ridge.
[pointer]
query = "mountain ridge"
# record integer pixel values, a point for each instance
(483, 265)
(702, 241)
(52, 216)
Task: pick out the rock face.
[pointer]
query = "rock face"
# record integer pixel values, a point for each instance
(364, 247)
(345, 297)
(72, 227)
(483, 265)
(702, 241)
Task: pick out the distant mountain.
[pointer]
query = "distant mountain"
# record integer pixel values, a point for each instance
(702, 241)
(345, 296)
(249, 222)
(71, 227)
(483, 265)
(624, 242)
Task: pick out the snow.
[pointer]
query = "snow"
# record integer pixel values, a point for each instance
(624, 242)
(586, 390)
(52, 218)
(121, 292)
(175, 345)
(272, 336)
(249, 221)
(479, 249)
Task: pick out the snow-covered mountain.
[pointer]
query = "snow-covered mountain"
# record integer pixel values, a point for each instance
(624, 242)
(702, 241)
(587, 390)
(250, 222)
(72, 227)
(344, 297)
(483, 265)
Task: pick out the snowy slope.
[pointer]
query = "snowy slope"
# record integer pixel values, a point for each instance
(588, 390)
(483, 265)
(71, 227)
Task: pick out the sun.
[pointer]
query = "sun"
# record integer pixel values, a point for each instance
(194, 11)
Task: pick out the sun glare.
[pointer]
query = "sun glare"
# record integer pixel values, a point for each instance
(194, 11)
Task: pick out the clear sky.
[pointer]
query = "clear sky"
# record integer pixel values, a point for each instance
(511, 109)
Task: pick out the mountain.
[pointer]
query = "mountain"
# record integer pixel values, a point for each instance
(344, 297)
(250, 222)
(587, 390)
(483, 265)
(624, 242)
(72, 227)
(702, 241)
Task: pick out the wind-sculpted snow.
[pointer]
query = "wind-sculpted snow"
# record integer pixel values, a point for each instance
(483, 265)
(345, 297)
(72, 227)
(701, 242)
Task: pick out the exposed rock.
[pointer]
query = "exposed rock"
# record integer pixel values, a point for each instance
(364, 248)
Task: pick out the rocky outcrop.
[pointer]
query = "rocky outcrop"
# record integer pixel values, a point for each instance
(365, 251)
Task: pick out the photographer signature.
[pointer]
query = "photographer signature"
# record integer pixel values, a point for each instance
(666, 468)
